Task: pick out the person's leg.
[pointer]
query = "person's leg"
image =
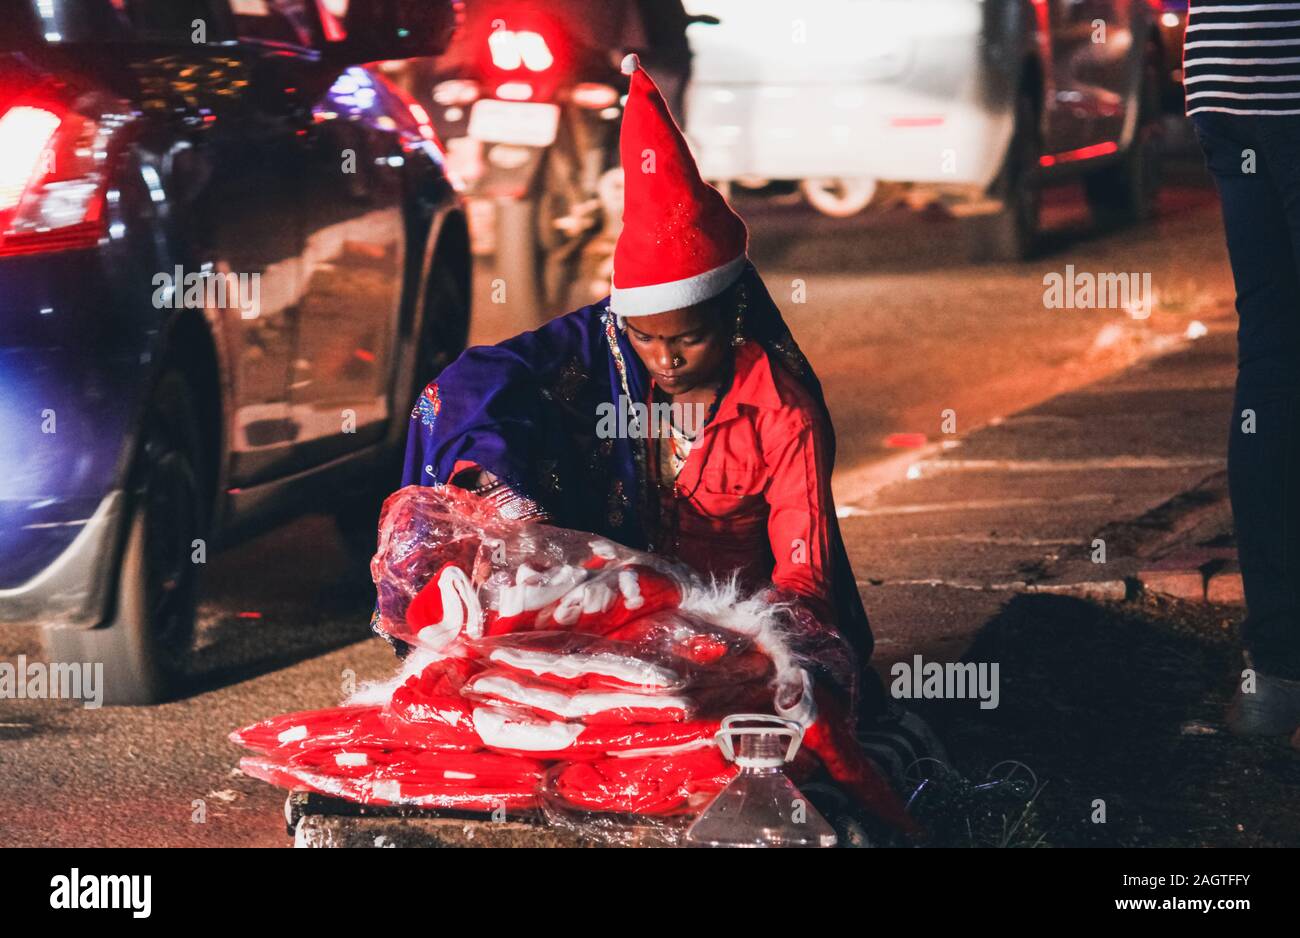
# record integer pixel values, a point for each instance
(1260, 194)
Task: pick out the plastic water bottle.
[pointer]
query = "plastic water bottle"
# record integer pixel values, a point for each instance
(761, 807)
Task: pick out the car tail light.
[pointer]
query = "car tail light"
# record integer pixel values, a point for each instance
(594, 96)
(511, 50)
(455, 92)
(514, 91)
(53, 176)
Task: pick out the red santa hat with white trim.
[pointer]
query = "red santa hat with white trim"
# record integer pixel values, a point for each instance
(681, 242)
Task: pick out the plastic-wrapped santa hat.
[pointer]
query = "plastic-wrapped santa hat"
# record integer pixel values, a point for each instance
(681, 242)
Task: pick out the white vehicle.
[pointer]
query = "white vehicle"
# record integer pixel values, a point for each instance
(975, 104)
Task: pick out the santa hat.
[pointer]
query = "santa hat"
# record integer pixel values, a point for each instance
(681, 242)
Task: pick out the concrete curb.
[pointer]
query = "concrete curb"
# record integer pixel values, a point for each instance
(1199, 575)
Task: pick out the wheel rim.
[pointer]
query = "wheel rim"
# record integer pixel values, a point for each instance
(557, 250)
(839, 197)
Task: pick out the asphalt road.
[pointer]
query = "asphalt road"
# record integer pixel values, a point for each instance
(900, 327)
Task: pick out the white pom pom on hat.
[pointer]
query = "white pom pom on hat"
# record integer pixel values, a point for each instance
(631, 62)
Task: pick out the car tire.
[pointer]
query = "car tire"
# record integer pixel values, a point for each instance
(1011, 233)
(146, 647)
(540, 263)
(537, 274)
(841, 197)
(1124, 193)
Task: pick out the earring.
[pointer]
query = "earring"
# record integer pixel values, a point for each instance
(738, 337)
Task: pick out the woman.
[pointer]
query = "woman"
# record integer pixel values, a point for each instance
(678, 415)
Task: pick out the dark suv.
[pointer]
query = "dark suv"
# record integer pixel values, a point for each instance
(230, 258)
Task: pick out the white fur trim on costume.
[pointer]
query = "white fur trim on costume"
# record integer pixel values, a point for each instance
(631, 62)
(630, 586)
(377, 693)
(504, 731)
(631, 671)
(758, 619)
(534, 590)
(704, 743)
(585, 599)
(292, 735)
(581, 704)
(661, 297)
(461, 611)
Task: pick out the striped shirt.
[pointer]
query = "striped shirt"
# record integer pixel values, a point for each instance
(1242, 57)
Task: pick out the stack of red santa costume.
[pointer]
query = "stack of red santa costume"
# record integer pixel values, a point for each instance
(549, 663)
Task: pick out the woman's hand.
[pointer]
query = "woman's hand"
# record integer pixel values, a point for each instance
(472, 479)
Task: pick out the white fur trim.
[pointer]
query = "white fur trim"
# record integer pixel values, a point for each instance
(675, 294)
(292, 735)
(720, 601)
(378, 693)
(505, 731)
(630, 586)
(571, 706)
(461, 611)
(585, 599)
(694, 744)
(631, 62)
(534, 590)
(631, 671)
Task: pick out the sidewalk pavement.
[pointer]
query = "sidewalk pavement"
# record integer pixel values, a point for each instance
(1110, 692)
(1098, 493)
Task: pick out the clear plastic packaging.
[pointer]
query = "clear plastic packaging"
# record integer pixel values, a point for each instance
(554, 668)
(477, 781)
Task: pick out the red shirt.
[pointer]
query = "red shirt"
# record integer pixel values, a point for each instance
(755, 491)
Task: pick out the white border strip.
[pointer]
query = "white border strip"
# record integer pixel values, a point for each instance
(661, 297)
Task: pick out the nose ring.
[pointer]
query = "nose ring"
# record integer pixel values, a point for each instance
(678, 361)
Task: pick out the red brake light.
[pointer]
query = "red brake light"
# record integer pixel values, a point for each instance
(511, 49)
(25, 135)
(514, 91)
(53, 176)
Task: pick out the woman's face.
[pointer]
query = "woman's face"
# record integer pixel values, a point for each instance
(683, 349)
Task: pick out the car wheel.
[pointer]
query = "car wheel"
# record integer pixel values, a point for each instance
(541, 236)
(841, 197)
(539, 268)
(1124, 193)
(1011, 234)
(146, 647)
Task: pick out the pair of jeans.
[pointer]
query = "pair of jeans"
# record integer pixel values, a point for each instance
(1255, 162)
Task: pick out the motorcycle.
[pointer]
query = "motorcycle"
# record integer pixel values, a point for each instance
(530, 117)
(529, 101)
